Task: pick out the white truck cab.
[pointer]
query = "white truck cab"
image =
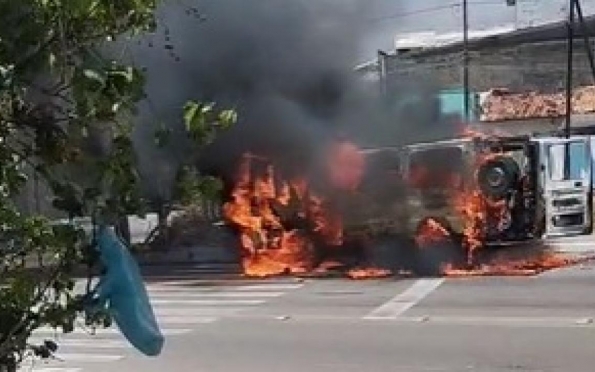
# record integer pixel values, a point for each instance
(565, 185)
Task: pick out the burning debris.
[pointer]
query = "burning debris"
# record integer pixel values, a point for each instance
(369, 273)
(528, 266)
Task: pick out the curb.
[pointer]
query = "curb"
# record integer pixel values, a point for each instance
(199, 255)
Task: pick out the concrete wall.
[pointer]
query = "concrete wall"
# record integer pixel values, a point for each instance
(531, 126)
(539, 66)
(519, 127)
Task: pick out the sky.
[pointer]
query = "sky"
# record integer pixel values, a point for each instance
(392, 17)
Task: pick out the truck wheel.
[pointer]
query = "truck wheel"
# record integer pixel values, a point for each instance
(436, 245)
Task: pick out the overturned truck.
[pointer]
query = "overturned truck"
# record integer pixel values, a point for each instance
(447, 199)
(478, 191)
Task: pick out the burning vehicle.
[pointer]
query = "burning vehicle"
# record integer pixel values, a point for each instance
(479, 192)
(445, 201)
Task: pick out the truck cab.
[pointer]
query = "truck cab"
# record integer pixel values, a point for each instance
(565, 185)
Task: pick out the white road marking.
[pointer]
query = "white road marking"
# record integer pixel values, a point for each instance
(103, 331)
(405, 300)
(181, 287)
(88, 358)
(30, 368)
(88, 343)
(206, 302)
(200, 311)
(171, 294)
(271, 286)
(191, 316)
(185, 319)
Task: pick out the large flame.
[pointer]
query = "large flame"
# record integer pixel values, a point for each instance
(476, 209)
(265, 207)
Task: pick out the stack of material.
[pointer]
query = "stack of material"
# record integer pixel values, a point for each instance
(502, 105)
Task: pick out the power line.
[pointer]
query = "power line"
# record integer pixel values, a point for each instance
(431, 10)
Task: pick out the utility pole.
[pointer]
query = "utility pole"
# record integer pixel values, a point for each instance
(466, 61)
(569, 66)
(575, 11)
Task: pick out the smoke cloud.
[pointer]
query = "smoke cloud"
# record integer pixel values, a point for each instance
(287, 66)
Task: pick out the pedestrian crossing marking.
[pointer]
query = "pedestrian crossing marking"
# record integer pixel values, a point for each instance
(179, 310)
(270, 286)
(102, 331)
(88, 358)
(88, 343)
(185, 320)
(49, 369)
(199, 311)
(207, 302)
(242, 294)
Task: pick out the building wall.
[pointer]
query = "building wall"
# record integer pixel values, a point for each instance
(518, 127)
(540, 66)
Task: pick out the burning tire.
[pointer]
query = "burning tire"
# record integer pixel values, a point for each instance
(436, 246)
(497, 176)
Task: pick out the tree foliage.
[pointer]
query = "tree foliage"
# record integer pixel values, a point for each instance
(203, 123)
(56, 90)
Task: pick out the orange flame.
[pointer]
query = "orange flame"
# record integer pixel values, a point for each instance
(345, 165)
(431, 232)
(257, 203)
(475, 209)
(369, 273)
(515, 267)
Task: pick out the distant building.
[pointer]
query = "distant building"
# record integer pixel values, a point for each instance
(517, 76)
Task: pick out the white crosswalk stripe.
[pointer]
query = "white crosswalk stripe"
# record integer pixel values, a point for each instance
(179, 307)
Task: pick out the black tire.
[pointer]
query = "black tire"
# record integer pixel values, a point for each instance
(497, 176)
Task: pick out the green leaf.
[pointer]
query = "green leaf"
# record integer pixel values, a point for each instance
(94, 76)
(227, 118)
(191, 111)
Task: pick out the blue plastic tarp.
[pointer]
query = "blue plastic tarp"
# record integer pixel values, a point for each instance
(122, 290)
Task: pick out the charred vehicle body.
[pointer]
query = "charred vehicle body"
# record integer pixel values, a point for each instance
(471, 192)
(487, 191)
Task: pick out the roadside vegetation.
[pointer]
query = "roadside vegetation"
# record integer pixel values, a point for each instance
(66, 117)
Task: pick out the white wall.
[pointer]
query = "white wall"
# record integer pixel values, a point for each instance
(536, 12)
(446, 16)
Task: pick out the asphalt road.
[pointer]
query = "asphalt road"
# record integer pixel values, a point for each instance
(541, 323)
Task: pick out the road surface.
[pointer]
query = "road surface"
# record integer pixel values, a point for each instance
(542, 323)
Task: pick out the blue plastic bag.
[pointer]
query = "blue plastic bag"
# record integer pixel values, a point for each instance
(123, 290)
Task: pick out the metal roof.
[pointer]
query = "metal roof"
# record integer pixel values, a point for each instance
(555, 31)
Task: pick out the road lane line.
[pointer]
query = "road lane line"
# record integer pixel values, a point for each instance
(206, 302)
(33, 368)
(88, 358)
(215, 294)
(163, 320)
(197, 311)
(181, 287)
(405, 300)
(88, 343)
(50, 332)
(268, 287)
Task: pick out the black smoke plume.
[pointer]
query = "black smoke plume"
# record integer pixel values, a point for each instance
(287, 66)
